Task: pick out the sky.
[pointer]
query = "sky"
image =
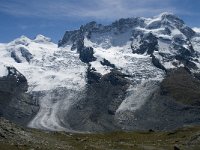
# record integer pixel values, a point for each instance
(53, 17)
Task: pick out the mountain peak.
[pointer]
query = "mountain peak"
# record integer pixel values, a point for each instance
(166, 14)
(23, 40)
(165, 17)
(171, 17)
(41, 39)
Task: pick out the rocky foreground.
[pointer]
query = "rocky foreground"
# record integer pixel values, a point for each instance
(13, 137)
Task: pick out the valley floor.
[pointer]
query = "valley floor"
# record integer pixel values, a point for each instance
(13, 137)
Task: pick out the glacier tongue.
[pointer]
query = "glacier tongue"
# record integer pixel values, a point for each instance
(54, 106)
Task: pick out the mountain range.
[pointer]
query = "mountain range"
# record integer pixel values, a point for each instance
(134, 74)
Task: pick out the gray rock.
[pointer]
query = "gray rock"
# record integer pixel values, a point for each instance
(15, 103)
(26, 54)
(96, 110)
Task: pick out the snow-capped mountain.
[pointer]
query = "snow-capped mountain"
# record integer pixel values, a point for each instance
(45, 66)
(102, 77)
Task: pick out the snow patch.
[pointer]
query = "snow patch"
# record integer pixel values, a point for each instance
(3, 70)
(196, 29)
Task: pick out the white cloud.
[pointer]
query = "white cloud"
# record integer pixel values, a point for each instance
(98, 9)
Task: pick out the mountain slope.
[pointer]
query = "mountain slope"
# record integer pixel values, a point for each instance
(102, 78)
(17, 138)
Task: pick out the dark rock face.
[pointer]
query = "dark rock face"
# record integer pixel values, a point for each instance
(92, 76)
(184, 55)
(76, 38)
(149, 44)
(13, 81)
(162, 110)
(188, 32)
(187, 62)
(15, 104)
(182, 86)
(26, 54)
(86, 54)
(107, 63)
(197, 75)
(15, 57)
(95, 112)
(157, 63)
(161, 113)
(178, 43)
(68, 37)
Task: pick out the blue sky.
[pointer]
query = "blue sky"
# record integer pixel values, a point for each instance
(53, 17)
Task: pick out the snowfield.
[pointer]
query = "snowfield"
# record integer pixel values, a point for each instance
(50, 67)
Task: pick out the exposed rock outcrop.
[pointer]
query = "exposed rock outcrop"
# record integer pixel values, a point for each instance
(181, 85)
(95, 112)
(15, 103)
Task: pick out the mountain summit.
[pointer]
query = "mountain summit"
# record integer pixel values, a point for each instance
(134, 74)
